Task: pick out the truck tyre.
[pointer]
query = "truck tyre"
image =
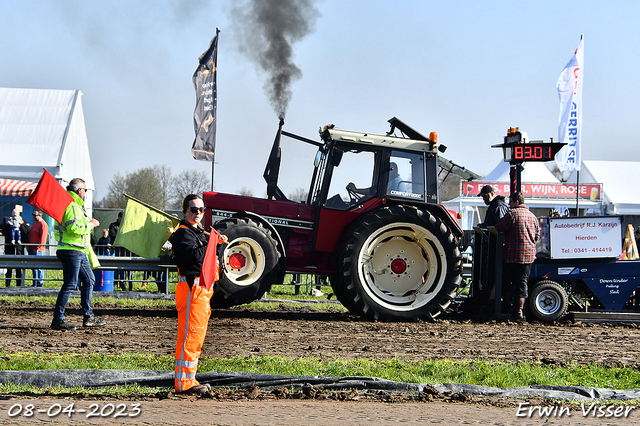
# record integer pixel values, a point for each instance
(548, 301)
(248, 263)
(399, 263)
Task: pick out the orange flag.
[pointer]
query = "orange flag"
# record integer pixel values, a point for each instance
(210, 272)
(50, 197)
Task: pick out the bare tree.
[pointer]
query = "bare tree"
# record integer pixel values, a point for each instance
(167, 184)
(245, 192)
(299, 195)
(189, 182)
(147, 184)
(115, 192)
(144, 184)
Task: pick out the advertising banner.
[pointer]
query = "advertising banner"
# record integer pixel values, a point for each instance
(538, 190)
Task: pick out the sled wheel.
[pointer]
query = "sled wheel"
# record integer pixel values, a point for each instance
(548, 301)
(400, 263)
(248, 262)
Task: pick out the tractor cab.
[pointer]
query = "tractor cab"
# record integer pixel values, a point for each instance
(356, 167)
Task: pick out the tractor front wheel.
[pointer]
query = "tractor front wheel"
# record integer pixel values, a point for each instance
(248, 262)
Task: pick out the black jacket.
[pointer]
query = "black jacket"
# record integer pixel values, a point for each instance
(497, 208)
(189, 246)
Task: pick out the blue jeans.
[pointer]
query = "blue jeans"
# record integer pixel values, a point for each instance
(75, 267)
(38, 274)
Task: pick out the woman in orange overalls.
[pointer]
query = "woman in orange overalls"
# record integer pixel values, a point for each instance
(189, 243)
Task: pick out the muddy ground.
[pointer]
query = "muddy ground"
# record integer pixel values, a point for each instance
(301, 332)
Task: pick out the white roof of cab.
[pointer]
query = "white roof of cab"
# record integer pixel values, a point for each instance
(382, 141)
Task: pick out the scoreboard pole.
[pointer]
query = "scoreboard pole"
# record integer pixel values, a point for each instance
(515, 178)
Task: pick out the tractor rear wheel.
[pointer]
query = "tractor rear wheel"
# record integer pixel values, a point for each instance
(399, 263)
(248, 262)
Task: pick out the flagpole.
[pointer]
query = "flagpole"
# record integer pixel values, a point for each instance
(213, 160)
(578, 193)
(578, 171)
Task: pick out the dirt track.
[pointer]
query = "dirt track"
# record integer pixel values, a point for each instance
(297, 332)
(300, 332)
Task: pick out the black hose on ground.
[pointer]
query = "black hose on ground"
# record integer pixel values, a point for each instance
(267, 382)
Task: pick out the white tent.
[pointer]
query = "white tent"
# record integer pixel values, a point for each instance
(532, 172)
(620, 197)
(44, 129)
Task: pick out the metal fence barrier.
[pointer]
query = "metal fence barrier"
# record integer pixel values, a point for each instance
(108, 263)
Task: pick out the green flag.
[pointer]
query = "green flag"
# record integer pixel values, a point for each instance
(144, 229)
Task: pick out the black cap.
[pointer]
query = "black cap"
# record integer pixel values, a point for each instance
(487, 189)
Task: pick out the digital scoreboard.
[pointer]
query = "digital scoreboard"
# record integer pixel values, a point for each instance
(517, 149)
(535, 151)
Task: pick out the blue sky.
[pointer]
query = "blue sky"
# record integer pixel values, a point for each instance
(465, 69)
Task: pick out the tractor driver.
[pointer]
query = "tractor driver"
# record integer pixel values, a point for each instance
(394, 182)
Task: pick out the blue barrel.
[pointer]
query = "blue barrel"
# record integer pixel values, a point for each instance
(104, 280)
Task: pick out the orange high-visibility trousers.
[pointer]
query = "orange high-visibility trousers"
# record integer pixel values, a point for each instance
(193, 318)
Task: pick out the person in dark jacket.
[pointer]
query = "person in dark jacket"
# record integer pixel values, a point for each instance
(103, 247)
(189, 245)
(497, 206)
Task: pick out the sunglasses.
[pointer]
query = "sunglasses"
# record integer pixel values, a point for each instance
(195, 210)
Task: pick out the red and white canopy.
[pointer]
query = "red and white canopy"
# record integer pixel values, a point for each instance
(16, 188)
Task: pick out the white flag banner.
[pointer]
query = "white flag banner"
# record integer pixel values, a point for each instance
(570, 127)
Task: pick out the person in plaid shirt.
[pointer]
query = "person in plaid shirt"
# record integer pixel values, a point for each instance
(522, 231)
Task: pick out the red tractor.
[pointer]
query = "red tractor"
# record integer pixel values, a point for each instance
(389, 250)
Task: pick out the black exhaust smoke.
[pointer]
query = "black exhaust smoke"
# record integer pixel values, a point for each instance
(267, 30)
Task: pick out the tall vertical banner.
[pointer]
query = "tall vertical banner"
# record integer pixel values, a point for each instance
(570, 127)
(204, 116)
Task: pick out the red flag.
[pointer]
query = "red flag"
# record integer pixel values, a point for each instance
(210, 272)
(50, 197)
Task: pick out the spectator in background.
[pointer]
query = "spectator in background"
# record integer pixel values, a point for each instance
(13, 249)
(14, 223)
(114, 227)
(38, 237)
(103, 248)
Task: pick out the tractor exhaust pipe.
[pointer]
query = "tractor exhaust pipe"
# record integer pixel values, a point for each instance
(272, 169)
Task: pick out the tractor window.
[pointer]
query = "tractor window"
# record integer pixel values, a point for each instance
(353, 180)
(406, 175)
